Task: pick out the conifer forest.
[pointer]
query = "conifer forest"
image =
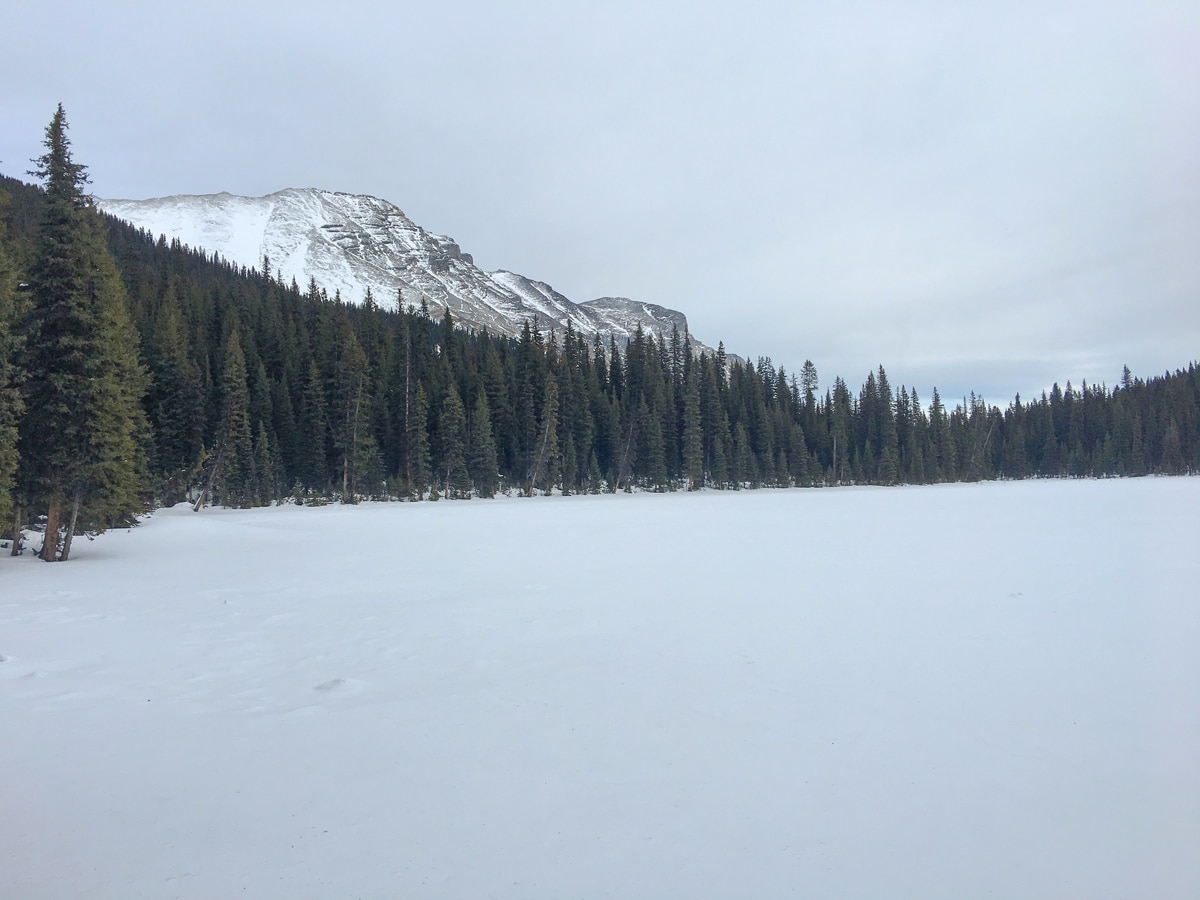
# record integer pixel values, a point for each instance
(136, 373)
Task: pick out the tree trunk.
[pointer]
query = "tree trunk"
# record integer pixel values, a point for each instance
(16, 532)
(625, 455)
(536, 471)
(350, 482)
(407, 391)
(50, 539)
(70, 530)
(212, 477)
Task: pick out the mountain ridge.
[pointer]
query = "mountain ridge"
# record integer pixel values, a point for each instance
(352, 244)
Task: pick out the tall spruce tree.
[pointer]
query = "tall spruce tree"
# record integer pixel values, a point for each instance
(313, 459)
(112, 482)
(481, 449)
(418, 445)
(266, 468)
(174, 401)
(80, 437)
(452, 438)
(544, 467)
(693, 434)
(353, 439)
(235, 455)
(10, 397)
(52, 438)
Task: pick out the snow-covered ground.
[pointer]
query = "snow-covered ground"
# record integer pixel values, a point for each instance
(957, 691)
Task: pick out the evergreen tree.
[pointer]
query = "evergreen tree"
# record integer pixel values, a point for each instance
(800, 469)
(652, 462)
(112, 483)
(570, 462)
(693, 434)
(451, 431)
(1172, 451)
(313, 461)
(265, 468)
(840, 431)
(499, 408)
(10, 397)
(544, 469)
(79, 438)
(808, 387)
(741, 468)
(595, 480)
(889, 445)
(52, 438)
(286, 445)
(418, 444)
(234, 463)
(481, 449)
(352, 440)
(944, 454)
(174, 401)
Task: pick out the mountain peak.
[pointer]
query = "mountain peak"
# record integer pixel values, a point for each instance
(350, 243)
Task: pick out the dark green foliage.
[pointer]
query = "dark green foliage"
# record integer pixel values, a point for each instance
(1172, 451)
(296, 393)
(452, 446)
(481, 449)
(354, 441)
(111, 483)
(57, 330)
(420, 473)
(174, 403)
(237, 482)
(266, 468)
(544, 455)
(11, 404)
(311, 463)
(82, 434)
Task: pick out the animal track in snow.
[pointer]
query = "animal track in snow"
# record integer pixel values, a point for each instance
(340, 686)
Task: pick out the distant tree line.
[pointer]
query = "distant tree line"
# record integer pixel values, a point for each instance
(136, 372)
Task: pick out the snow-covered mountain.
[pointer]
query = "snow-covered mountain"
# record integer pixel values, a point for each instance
(351, 243)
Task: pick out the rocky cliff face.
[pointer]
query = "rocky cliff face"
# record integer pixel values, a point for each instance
(351, 244)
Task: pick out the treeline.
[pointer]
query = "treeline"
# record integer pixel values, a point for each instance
(260, 391)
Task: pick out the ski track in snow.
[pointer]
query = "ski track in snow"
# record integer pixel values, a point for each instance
(962, 690)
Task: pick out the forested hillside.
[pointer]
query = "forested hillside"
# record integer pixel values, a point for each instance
(265, 391)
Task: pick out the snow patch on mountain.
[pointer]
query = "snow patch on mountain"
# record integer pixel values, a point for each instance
(350, 245)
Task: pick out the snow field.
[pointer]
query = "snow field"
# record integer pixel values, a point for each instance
(963, 690)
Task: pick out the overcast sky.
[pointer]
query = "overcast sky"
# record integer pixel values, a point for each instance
(979, 196)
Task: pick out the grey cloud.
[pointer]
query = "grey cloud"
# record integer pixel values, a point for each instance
(995, 195)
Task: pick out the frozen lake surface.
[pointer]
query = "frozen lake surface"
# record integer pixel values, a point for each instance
(952, 691)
